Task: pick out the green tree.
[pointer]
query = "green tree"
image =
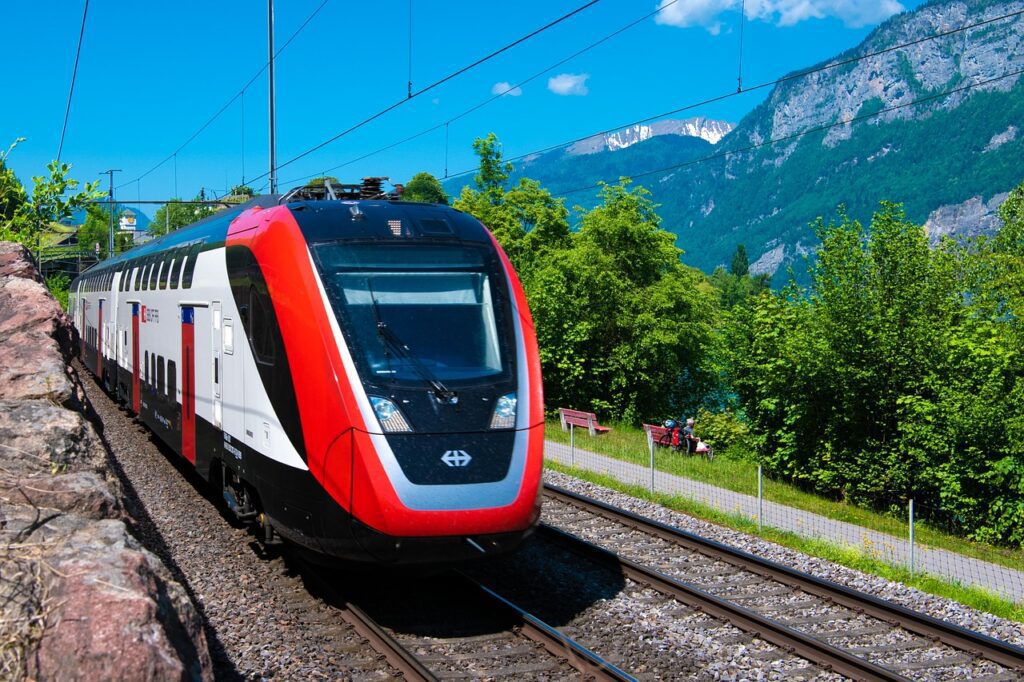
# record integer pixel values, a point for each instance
(426, 188)
(896, 373)
(96, 230)
(53, 198)
(740, 264)
(12, 193)
(243, 191)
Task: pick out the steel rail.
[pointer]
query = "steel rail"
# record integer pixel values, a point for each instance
(397, 655)
(383, 643)
(579, 657)
(969, 641)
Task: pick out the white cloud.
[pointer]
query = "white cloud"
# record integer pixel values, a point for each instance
(708, 13)
(504, 88)
(569, 84)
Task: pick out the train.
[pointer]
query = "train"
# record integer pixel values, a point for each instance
(357, 374)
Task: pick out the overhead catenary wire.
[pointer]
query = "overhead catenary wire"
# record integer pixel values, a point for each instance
(694, 105)
(437, 83)
(802, 133)
(236, 96)
(496, 96)
(760, 86)
(74, 76)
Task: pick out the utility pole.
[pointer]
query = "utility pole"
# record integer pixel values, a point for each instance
(273, 122)
(110, 205)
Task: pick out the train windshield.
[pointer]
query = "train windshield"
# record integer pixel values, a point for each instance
(417, 312)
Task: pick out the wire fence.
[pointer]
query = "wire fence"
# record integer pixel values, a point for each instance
(899, 538)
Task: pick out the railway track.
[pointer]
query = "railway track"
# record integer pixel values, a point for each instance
(461, 629)
(834, 627)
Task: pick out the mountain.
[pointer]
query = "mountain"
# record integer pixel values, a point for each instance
(706, 129)
(939, 127)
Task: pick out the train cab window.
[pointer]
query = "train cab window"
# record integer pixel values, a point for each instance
(145, 369)
(160, 375)
(190, 266)
(176, 267)
(172, 380)
(165, 270)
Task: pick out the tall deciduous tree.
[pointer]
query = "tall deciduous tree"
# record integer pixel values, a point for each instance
(54, 197)
(425, 187)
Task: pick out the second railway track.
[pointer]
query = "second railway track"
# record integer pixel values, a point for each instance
(834, 627)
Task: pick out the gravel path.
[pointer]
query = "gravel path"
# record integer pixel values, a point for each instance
(261, 622)
(938, 607)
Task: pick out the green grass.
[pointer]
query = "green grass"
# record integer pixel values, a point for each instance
(630, 444)
(850, 557)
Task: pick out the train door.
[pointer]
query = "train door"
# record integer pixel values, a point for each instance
(188, 383)
(99, 340)
(231, 380)
(136, 378)
(217, 341)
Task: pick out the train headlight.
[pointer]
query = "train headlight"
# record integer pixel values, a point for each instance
(390, 417)
(504, 412)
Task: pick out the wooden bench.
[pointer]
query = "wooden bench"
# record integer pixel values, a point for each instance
(660, 435)
(587, 420)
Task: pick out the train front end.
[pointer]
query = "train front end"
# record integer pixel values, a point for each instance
(426, 424)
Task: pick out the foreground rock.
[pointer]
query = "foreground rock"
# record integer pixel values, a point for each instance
(80, 598)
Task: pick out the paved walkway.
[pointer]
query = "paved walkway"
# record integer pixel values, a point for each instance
(951, 566)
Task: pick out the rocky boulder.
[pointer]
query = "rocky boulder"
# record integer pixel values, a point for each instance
(80, 598)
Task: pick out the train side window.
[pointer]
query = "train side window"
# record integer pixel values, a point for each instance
(190, 266)
(165, 269)
(154, 272)
(260, 328)
(160, 375)
(146, 264)
(145, 369)
(138, 275)
(176, 267)
(152, 370)
(172, 380)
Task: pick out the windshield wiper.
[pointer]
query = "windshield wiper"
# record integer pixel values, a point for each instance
(443, 393)
(390, 339)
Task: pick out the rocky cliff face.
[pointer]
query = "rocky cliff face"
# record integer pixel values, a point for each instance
(80, 598)
(897, 78)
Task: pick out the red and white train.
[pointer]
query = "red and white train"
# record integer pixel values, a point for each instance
(360, 376)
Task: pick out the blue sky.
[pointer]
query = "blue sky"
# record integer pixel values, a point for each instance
(152, 73)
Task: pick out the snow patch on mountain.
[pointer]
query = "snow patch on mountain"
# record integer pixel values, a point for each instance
(704, 128)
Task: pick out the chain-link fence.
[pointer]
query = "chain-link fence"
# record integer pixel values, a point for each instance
(918, 538)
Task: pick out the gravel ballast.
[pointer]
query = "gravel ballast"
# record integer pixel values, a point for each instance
(938, 607)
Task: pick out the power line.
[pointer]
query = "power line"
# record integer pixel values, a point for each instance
(437, 83)
(238, 94)
(695, 105)
(496, 96)
(784, 79)
(74, 76)
(809, 131)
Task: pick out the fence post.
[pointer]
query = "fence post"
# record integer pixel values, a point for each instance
(650, 448)
(760, 499)
(572, 445)
(910, 516)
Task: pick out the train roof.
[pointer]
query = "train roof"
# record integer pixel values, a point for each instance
(319, 221)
